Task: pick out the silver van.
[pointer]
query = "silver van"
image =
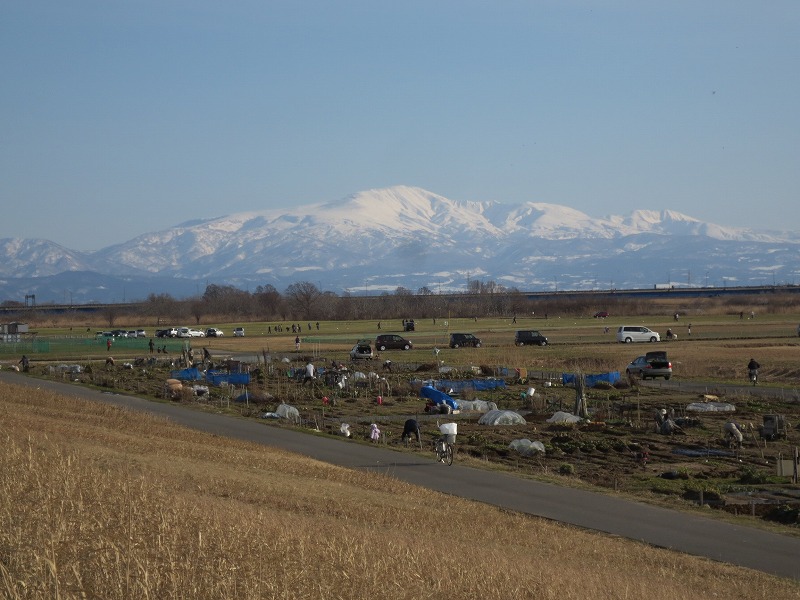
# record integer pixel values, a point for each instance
(636, 333)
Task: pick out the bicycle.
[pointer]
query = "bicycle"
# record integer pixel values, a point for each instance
(754, 376)
(444, 450)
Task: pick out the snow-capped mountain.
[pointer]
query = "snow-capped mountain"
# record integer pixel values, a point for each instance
(405, 236)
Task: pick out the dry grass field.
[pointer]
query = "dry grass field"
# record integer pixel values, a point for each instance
(99, 502)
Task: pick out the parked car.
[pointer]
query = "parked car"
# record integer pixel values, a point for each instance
(362, 351)
(650, 366)
(141, 333)
(214, 332)
(601, 314)
(391, 341)
(238, 332)
(168, 332)
(188, 332)
(529, 337)
(459, 340)
(409, 325)
(635, 333)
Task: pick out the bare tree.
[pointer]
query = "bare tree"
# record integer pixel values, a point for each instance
(268, 300)
(305, 296)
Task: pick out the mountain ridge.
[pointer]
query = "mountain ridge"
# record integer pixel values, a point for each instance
(409, 237)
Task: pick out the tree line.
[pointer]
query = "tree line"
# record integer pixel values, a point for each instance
(305, 301)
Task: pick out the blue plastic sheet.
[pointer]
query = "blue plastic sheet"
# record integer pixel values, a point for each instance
(591, 380)
(220, 377)
(190, 374)
(437, 397)
(479, 385)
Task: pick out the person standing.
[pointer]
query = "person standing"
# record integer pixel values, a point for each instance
(309, 373)
(108, 344)
(297, 343)
(25, 362)
(151, 345)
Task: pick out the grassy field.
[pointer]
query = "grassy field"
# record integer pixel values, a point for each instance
(99, 502)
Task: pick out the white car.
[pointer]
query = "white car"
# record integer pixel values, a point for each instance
(186, 332)
(214, 332)
(635, 333)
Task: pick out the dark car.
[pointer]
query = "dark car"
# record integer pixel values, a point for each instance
(530, 338)
(459, 340)
(601, 314)
(391, 341)
(650, 366)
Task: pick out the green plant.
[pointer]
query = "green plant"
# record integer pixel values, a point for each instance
(566, 469)
(751, 476)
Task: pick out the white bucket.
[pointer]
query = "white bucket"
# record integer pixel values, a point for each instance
(531, 391)
(449, 428)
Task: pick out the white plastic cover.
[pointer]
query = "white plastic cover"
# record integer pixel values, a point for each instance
(527, 447)
(711, 407)
(564, 417)
(502, 417)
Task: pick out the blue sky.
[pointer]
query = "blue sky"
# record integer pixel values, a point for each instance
(123, 117)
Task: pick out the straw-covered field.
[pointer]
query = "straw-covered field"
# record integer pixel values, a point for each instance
(97, 502)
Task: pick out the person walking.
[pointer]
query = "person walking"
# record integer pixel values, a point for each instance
(752, 370)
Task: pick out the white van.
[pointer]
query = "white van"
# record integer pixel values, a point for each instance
(636, 333)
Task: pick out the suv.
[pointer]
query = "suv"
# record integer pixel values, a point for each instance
(391, 341)
(457, 340)
(630, 333)
(238, 332)
(531, 337)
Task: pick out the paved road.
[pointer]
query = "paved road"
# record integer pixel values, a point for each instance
(689, 533)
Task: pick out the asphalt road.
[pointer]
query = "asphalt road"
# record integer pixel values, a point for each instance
(683, 532)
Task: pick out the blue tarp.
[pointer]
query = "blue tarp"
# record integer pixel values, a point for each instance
(190, 374)
(219, 377)
(479, 385)
(437, 397)
(591, 380)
